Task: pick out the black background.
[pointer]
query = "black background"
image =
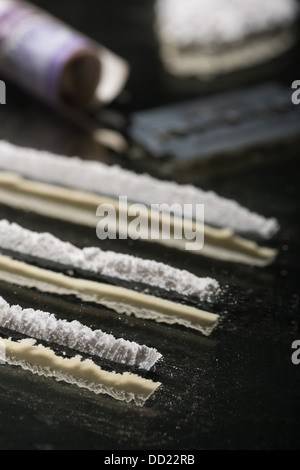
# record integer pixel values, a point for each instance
(237, 389)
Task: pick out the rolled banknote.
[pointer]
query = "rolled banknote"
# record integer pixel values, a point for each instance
(55, 62)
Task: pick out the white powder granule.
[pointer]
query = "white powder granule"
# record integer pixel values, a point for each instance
(211, 22)
(45, 326)
(114, 181)
(108, 263)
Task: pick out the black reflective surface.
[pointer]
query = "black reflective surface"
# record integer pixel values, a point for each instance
(237, 389)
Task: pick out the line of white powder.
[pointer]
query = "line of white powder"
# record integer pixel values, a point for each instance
(45, 326)
(108, 263)
(115, 181)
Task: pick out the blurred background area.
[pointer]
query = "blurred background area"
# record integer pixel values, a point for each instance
(129, 29)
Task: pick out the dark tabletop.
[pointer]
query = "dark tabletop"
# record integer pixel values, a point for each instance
(237, 389)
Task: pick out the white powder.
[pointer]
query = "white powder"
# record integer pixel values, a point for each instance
(108, 263)
(114, 181)
(74, 335)
(211, 22)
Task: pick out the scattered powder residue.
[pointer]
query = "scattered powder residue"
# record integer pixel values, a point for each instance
(207, 23)
(114, 181)
(74, 335)
(108, 263)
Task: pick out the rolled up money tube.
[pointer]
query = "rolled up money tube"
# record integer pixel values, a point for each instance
(54, 62)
